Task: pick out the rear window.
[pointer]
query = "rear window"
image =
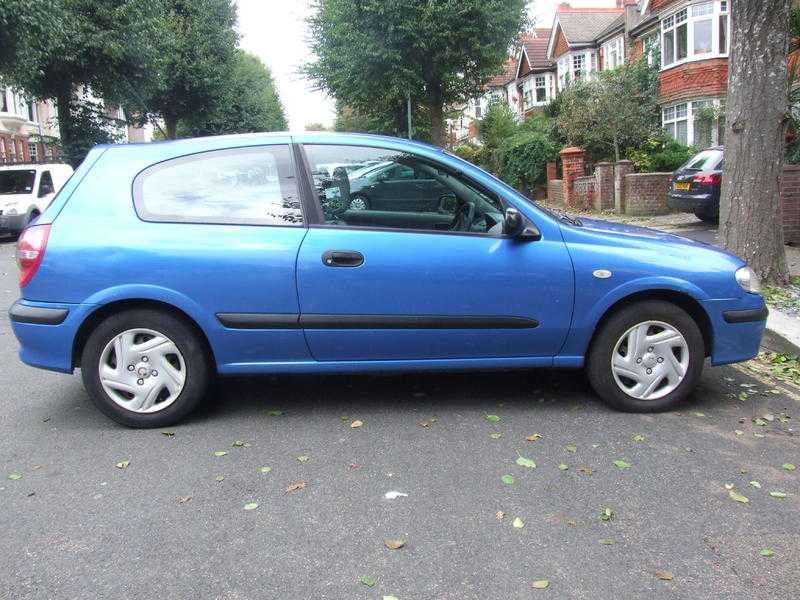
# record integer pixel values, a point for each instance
(707, 160)
(250, 186)
(18, 181)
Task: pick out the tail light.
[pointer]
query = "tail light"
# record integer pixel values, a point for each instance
(708, 179)
(30, 251)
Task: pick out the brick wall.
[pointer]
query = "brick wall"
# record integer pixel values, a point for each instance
(555, 192)
(583, 192)
(646, 193)
(790, 202)
(707, 78)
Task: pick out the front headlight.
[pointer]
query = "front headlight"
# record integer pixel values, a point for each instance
(11, 211)
(748, 280)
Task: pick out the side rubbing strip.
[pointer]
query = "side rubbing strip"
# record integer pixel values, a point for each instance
(414, 322)
(258, 321)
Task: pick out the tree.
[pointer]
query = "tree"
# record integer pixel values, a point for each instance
(248, 103)
(60, 49)
(315, 127)
(371, 53)
(194, 55)
(756, 122)
(614, 111)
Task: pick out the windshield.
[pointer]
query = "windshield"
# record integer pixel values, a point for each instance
(707, 160)
(17, 181)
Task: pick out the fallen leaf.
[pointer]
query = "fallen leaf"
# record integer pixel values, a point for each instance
(758, 435)
(698, 413)
(518, 523)
(759, 421)
(572, 448)
(251, 506)
(767, 552)
(606, 514)
(540, 584)
(394, 495)
(738, 431)
(585, 470)
(424, 423)
(303, 458)
(783, 418)
(621, 464)
(534, 437)
(344, 418)
(220, 453)
(123, 464)
(507, 479)
(525, 462)
(15, 476)
(769, 417)
(184, 499)
(605, 541)
(220, 478)
(265, 469)
(563, 467)
(729, 486)
(495, 436)
(777, 494)
(638, 438)
(394, 544)
(789, 466)
(738, 497)
(492, 418)
(368, 581)
(664, 575)
(356, 424)
(742, 396)
(276, 413)
(755, 484)
(168, 433)
(240, 444)
(353, 466)
(296, 487)
(390, 598)
(499, 515)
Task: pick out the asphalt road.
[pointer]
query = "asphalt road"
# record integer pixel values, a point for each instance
(75, 526)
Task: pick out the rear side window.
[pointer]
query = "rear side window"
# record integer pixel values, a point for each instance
(248, 186)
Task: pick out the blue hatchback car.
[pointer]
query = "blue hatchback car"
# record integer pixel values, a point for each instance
(159, 266)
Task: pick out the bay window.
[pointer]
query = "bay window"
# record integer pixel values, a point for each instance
(541, 89)
(613, 53)
(697, 31)
(698, 123)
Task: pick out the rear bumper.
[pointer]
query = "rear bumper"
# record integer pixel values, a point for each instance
(46, 332)
(691, 202)
(12, 223)
(737, 327)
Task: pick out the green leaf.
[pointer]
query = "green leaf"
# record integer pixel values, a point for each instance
(563, 467)
(738, 432)
(220, 453)
(606, 514)
(367, 580)
(738, 497)
(276, 413)
(123, 464)
(303, 458)
(507, 479)
(265, 469)
(251, 506)
(518, 523)
(789, 466)
(534, 437)
(742, 396)
(239, 444)
(15, 476)
(759, 421)
(767, 552)
(621, 464)
(540, 584)
(769, 417)
(605, 541)
(777, 494)
(168, 433)
(495, 436)
(525, 462)
(755, 484)
(390, 598)
(698, 413)
(492, 418)
(638, 438)
(572, 448)
(220, 478)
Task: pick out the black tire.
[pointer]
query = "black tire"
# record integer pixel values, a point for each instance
(707, 216)
(188, 342)
(363, 198)
(600, 355)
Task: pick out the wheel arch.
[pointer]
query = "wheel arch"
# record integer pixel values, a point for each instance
(680, 299)
(105, 310)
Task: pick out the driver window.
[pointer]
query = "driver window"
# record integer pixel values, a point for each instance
(367, 187)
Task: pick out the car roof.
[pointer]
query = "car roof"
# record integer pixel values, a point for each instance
(34, 166)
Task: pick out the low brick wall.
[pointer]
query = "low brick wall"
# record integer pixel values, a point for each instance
(646, 193)
(555, 192)
(790, 202)
(583, 192)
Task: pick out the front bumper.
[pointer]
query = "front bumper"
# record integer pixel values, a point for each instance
(737, 326)
(12, 223)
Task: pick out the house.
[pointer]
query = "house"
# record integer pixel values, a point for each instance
(535, 82)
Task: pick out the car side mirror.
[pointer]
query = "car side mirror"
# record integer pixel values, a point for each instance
(515, 226)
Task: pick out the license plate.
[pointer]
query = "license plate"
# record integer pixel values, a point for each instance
(683, 186)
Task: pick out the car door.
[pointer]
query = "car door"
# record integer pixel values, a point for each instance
(413, 287)
(395, 189)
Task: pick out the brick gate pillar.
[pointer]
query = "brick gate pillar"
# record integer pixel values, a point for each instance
(623, 168)
(552, 171)
(604, 186)
(572, 166)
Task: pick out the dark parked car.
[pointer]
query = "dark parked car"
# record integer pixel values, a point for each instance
(696, 185)
(394, 186)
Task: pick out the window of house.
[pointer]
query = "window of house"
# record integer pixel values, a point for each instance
(478, 111)
(541, 89)
(695, 32)
(613, 53)
(3, 100)
(693, 124)
(251, 186)
(578, 65)
(652, 48)
(33, 151)
(30, 110)
(433, 199)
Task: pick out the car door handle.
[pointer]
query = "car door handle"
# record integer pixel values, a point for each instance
(342, 258)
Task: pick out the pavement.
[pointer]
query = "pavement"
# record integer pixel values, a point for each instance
(75, 525)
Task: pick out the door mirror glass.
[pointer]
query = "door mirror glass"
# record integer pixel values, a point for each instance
(515, 226)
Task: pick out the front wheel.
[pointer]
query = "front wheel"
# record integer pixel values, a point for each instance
(359, 202)
(647, 357)
(145, 368)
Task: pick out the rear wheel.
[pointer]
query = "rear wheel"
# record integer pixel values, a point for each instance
(709, 216)
(145, 368)
(359, 202)
(646, 357)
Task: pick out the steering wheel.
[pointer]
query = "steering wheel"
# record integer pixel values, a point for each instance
(465, 215)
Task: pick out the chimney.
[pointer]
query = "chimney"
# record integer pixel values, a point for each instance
(620, 3)
(564, 6)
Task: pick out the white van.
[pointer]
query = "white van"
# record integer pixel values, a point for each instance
(26, 190)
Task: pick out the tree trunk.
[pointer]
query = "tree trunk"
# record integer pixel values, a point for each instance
(171, 126)
(436, 112)
(756, 121)
(66, 127)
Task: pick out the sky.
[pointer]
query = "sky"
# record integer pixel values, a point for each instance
(275, 31)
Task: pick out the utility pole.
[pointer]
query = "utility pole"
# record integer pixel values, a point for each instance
(408, 109)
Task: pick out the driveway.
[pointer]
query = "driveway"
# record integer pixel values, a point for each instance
(173, 524)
